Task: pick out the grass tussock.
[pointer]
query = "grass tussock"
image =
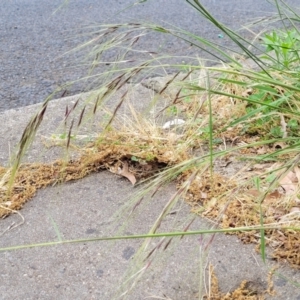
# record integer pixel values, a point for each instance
(227, 135)
(225, 189)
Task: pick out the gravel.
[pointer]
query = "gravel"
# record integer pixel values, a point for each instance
(35, 40)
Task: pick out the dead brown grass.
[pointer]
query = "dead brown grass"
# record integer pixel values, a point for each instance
(247, 290)
(140, 149)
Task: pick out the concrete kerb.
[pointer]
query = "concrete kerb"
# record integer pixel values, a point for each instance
(84, 209)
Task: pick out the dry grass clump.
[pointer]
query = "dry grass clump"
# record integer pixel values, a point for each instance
(137, 148)
(124, 153)
(222, 200)
(247, 290)
(243, 292)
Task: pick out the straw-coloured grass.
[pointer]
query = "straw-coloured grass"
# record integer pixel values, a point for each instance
(228, 136)
(223, 192)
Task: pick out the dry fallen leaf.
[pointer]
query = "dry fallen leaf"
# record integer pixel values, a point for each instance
(254, 193)
(289, 183)
(273, 196)
(297, 172)
(125, 172)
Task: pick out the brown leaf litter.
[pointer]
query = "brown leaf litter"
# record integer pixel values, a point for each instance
(118, 158)
(232, 201)
(232, 205)
(213, 195)
(247, 290)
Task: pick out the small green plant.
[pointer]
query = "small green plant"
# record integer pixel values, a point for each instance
(270, 113)
(62, 136)
(286, 47)
(276, 132)
(134, 158)
(187, 98)
(173, 110)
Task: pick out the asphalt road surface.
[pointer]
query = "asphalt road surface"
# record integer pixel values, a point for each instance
(34, 41)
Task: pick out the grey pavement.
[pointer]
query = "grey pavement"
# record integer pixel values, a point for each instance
(98, 206)
(35, 42)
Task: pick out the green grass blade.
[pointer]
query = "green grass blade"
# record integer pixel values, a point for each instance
(54, 224)
(144, 236)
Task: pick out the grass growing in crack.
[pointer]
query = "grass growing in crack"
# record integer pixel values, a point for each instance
(229, 112)
(285, 45)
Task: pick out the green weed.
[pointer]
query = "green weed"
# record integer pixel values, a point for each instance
(286, 47)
